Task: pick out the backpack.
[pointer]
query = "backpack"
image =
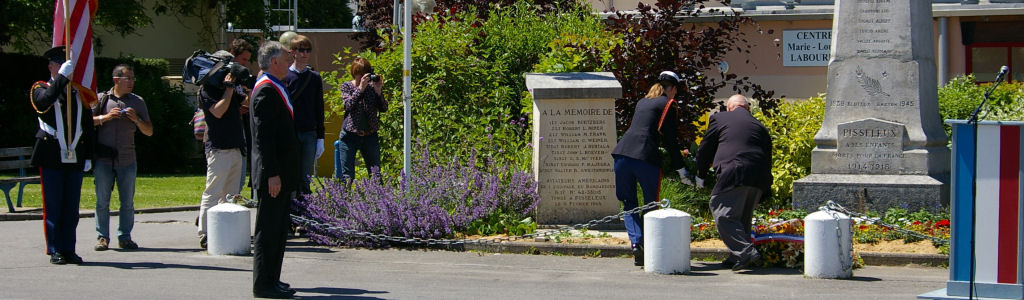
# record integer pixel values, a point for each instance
(201, 66)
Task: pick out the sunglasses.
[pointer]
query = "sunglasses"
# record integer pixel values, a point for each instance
(304, 50)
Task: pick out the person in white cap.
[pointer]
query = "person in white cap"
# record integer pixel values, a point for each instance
(637, 159)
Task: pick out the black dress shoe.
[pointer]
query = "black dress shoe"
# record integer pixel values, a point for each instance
(275, 293)
(73, 258)
(747, 262)
(57, 259)
(284, 286)
(638, 255)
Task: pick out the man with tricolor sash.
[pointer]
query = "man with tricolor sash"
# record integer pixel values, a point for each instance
(63, 151)
(275, 172)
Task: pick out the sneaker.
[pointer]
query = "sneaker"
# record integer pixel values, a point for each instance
(747, 262)
(102, 244)
(127, 245)
(638, 255)
(202, 241)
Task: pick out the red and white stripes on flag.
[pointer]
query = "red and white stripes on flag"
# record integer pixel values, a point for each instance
(79, 15)
(999, 212)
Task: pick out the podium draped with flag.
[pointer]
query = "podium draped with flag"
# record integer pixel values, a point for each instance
(998, 227)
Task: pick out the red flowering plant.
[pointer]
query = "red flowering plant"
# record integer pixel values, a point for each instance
(875, 229)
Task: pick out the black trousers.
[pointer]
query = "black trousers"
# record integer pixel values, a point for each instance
(62, 191)
(273, 220)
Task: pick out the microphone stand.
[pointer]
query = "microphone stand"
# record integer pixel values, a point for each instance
(973, 120)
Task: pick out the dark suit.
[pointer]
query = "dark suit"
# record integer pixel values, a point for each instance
(275, 153)
(637, 158)
(741, 149)
(61, 182)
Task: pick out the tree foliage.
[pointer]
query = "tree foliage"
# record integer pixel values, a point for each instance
(24, 23)
(378, 14)
(664, 37)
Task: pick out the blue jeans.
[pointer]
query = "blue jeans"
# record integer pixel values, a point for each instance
(629, 171)
(307, 157)
(105, 174)
(345, 157)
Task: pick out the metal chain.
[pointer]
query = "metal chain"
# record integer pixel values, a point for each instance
(845, 261)
(310, 223)
(878, 221)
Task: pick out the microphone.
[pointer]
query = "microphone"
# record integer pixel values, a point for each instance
(1002, 72)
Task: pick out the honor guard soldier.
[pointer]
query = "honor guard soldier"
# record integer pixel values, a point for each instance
(63, 151)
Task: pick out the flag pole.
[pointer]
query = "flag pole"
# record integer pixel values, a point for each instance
(67, 57)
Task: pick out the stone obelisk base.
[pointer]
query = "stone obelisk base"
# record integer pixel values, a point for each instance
(877, 193)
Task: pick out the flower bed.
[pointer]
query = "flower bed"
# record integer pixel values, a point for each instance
(439, 201)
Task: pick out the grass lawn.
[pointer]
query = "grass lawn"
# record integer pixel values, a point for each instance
(150, 191)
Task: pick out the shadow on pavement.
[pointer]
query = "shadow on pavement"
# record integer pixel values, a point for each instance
(164, 250)
(157, 265)
(336, 293)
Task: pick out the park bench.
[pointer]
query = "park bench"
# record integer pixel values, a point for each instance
(16, 158)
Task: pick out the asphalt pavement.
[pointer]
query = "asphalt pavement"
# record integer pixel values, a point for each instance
(170, 265)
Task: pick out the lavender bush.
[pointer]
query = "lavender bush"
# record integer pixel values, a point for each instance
(441, 198)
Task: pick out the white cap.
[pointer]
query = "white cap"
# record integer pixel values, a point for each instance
(669, 76)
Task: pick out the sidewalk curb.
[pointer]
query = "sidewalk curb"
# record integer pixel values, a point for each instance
(711, 254)
(37, 213)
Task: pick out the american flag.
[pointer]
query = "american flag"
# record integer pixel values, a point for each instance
(79, 14)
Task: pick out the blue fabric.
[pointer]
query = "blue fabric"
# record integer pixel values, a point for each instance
(628, 172)
(62, 191)
(105, 175)
(368, 145)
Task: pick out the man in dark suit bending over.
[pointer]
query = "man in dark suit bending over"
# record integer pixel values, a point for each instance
(741, 151)
(275, 172)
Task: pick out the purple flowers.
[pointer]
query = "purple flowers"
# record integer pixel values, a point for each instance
(441, 198)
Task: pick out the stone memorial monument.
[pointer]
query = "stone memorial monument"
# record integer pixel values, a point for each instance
(881, 143)
(573, 137)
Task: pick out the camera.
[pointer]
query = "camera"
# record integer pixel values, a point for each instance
(240, 75)
(373, 76)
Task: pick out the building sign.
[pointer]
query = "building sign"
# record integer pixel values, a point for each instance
(806, 47)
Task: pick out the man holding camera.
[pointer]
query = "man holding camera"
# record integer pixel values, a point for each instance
(117, 116)
(306, 90)
(221, 102)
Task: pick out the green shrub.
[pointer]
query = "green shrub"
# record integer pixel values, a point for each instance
(959, 97)
(468, 84)
(792, 129)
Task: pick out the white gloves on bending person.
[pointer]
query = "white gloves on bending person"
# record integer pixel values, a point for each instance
(88, 165)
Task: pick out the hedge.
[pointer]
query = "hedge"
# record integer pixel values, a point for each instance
(171, 149)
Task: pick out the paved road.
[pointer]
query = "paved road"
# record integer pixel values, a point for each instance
(171, 266)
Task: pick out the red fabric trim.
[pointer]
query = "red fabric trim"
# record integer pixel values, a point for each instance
(1009, 178)
(42, 192)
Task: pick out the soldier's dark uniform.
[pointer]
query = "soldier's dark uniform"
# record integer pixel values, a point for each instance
(61, 180)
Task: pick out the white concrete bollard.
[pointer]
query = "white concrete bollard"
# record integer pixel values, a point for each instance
(667, 241)
(227, 230)
(826, 252)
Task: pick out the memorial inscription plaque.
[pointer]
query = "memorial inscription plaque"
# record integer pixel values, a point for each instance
(573, 136)
(881, 142)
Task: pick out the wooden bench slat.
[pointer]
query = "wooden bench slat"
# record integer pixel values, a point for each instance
(16, 151)
(20, 179)
(15, 164)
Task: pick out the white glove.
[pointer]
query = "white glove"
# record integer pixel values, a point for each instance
(66, 68)
(684, 176)
(319, 148)
(700, 182)
(88, 165)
